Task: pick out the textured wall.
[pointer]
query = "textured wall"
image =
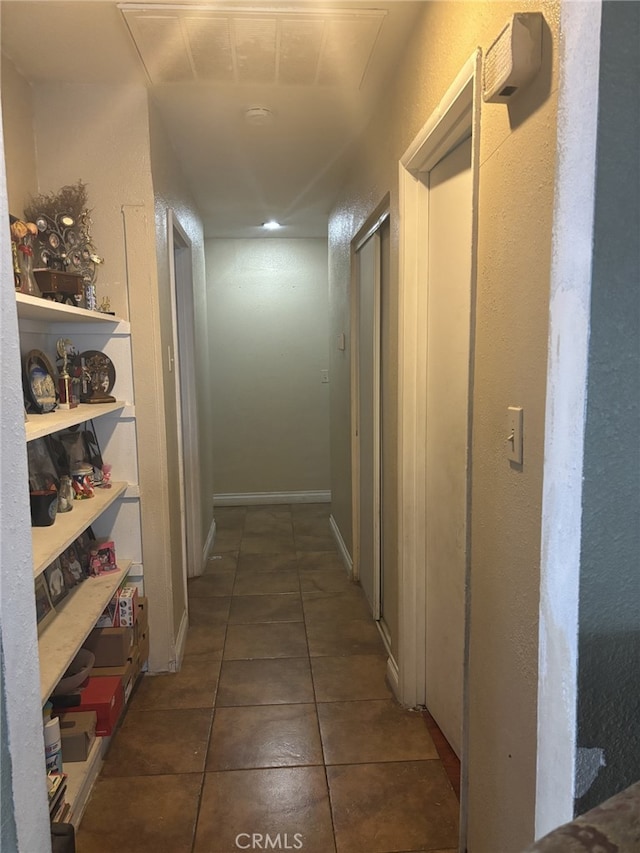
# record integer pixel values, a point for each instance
(268, 327)
(609, 642)
(171, 193)
(517, 146)
(19, 142)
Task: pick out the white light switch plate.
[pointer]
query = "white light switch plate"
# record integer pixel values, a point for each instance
(514, 434)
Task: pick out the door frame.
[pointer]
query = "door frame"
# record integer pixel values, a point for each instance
(367, 232)
(183, 364)
(457, 113)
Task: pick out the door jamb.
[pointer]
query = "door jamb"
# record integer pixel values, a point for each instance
(369, 230)
(449, 124)
(183, 327)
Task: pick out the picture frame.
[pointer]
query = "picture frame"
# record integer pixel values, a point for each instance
(73, 558)
(39, 383)
(83, 545)
(45, 610)
(55, 582)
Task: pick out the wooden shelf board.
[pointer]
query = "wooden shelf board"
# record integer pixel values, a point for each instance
(37, 426)
(80, 778)
(61, 640)
(36, 308)
(48, 542)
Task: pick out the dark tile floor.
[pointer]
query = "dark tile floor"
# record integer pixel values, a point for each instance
(279, 723)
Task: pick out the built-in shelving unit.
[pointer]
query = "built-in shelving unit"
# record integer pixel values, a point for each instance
(37, 426)
(61, 640)
(48, 542)
(113, 511)
(35, 308)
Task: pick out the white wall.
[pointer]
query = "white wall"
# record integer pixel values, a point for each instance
(268, 330)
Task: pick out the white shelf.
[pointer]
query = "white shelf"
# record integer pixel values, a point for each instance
(80, 778)
(48, 542)
(36, 308)
(61, 640)
(37, 426)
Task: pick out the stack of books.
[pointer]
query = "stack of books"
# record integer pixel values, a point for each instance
(58, 808)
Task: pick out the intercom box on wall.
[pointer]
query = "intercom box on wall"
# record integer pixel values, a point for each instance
(513, 59)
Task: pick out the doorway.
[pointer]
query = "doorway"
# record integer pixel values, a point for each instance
(182, 362)
(438, 211)
(371, 330)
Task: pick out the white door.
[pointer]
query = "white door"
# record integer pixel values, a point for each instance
(368, 418)
(183, 363)
(447, 439)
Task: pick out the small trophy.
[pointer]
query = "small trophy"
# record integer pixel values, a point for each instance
(65, 381)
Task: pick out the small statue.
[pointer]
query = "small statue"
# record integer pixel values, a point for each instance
(105, 305)
(65, 381)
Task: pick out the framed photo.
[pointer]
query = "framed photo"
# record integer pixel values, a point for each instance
(83, 545)
(39, 382)
(44, 608)
(71, 560)
(55, 582)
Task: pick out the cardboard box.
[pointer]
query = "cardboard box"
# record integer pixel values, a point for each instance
(105, 696)
(128, 673)
(143, 647)
(111, 646)
(142, 618)
(127, 606)
(77, 732)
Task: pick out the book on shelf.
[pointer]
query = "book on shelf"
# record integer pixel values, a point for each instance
(62, 813)
(57, 801)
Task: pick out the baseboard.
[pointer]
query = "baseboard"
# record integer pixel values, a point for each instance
(393, 677)
(342, 548)
(264, 498)
(181, 642)
(208, 545)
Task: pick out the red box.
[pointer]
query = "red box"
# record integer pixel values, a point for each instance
(105, 696)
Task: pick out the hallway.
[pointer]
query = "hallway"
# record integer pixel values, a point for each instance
(280, 722)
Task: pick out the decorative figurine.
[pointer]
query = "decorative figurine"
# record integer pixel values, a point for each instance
(65, 381)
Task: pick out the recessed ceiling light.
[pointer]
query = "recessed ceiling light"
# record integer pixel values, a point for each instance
(271, 225)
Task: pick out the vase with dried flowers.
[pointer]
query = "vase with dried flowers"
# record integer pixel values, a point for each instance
(23, 235)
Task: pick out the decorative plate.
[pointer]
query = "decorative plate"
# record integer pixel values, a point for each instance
(40, 384)
(99, 373)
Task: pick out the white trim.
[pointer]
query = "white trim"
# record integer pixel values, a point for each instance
(209, 543)
(393, 676)
(565, 407)
(450, 123)
(264, 498)
(181, 642)
(342, 548)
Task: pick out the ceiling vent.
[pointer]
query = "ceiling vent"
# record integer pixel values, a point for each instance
(513, 59)
(311, 47)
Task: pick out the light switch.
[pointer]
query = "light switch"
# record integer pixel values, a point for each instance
(514, 434)
(342, 343)
(324, 376)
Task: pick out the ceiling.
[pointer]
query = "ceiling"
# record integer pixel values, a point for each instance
(261, 100)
